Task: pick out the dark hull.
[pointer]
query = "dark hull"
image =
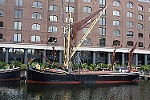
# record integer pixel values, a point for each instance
(49, 78)
(7, 75)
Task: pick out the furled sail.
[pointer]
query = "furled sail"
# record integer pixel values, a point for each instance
(131, 55)
(113, 56)
(77, 26)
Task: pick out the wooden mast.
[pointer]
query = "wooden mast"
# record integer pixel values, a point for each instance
(67, 34)
(113, 58)
(130, 58)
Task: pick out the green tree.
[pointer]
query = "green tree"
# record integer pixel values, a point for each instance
(93, 67)
(84, 66)
(2, 64)
(24, 67)
(145, 69)
(16, 64)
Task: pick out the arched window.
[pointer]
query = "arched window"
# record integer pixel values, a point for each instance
(130, 33)
(116, 23)
(116, 3)
(52, 39)
(129, 5)
(140, 17)
(130, 24)
(37, 15)
(140, 44)
(116, 32)
(140, 26)
(36, 27)
(140, 8)
(130, 14)
(116, 13)
(140, 35)
(129, 43)
(53, 18)
(1, 12)
(37, 4)
(116, 42)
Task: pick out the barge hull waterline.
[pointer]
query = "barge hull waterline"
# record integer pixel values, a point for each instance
(47, 78)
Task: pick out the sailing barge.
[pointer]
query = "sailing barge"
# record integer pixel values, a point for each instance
(10, 74)
(70, 77)
(35, 76)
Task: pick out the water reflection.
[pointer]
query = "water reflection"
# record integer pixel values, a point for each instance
(26, 91)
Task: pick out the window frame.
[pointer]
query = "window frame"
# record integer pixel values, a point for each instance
(1, 13)
(35, 38)
(140, 8)
(36, 26)
(53, 18)
(116, 13)
(37, 4)
(130, 14)
(18, 13)
(17, 25)
(130, 34)
(129, 5)
(102, 21)
(102, 31)
(116, 23)
(102, 2)
(102, 42)
(71, 9)
(53, 29)
(53, 7)
(130, 24)
(116, 3)
(18, 3)
(87, 9)
(116, 32)
(36, 15)
(17, 37)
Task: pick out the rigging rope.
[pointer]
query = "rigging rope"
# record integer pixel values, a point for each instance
(50, 61)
